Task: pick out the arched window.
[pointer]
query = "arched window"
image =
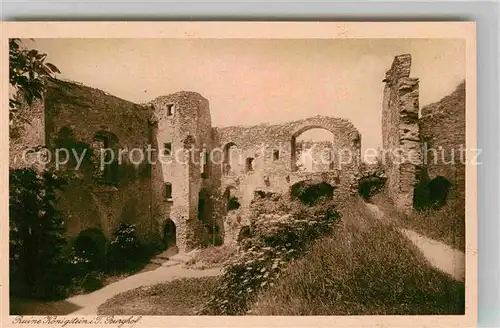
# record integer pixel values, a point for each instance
(250, 164)
(105, 158)
(229, 160)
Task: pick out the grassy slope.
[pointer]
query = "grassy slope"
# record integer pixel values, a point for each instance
(365, 267)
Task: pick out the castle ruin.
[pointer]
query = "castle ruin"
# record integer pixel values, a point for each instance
(205, 192)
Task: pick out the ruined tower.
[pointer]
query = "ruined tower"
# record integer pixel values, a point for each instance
(400, 132)
(183, 138)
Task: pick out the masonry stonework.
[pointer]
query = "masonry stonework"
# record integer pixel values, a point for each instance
(421, 146)
(442, 129)
(76, 115)
(400, 132)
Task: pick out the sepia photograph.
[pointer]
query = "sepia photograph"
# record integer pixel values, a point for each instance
(233, 176)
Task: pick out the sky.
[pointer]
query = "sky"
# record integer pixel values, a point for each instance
(253, 81)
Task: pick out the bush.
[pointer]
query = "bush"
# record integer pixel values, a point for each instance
(89, 251)
(211, 257)
(309, 192)
(125, 249)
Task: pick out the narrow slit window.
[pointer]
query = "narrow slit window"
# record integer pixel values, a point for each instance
(167, 148)
(276, 155)
(167, 190)
(170, 109)
(250, 164)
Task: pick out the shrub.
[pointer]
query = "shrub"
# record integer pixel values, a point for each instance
(89, 251)
(125, 249)
(211, 257)
(309, 192)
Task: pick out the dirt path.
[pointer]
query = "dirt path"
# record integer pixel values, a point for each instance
(88, 303)
(438, 254)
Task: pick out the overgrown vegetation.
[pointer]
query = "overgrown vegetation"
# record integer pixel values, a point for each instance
(274, 239)
(43, 265)
(94, 258)
(308, 192)
(36, 241)
(365, 267)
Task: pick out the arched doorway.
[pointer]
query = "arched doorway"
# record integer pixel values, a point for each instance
(312, 149)
(169, 234)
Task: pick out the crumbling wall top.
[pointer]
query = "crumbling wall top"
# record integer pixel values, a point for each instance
(400, 68)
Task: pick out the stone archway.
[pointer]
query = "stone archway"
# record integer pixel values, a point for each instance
(294, 148)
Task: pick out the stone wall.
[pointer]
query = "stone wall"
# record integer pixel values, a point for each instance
(442, 130)
(82, 114)
(272, 150)
(400, 132)
(28, 136)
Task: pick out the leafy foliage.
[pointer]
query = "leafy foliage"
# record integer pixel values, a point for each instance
(37, 264)
(27, 68)
(89, 251)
